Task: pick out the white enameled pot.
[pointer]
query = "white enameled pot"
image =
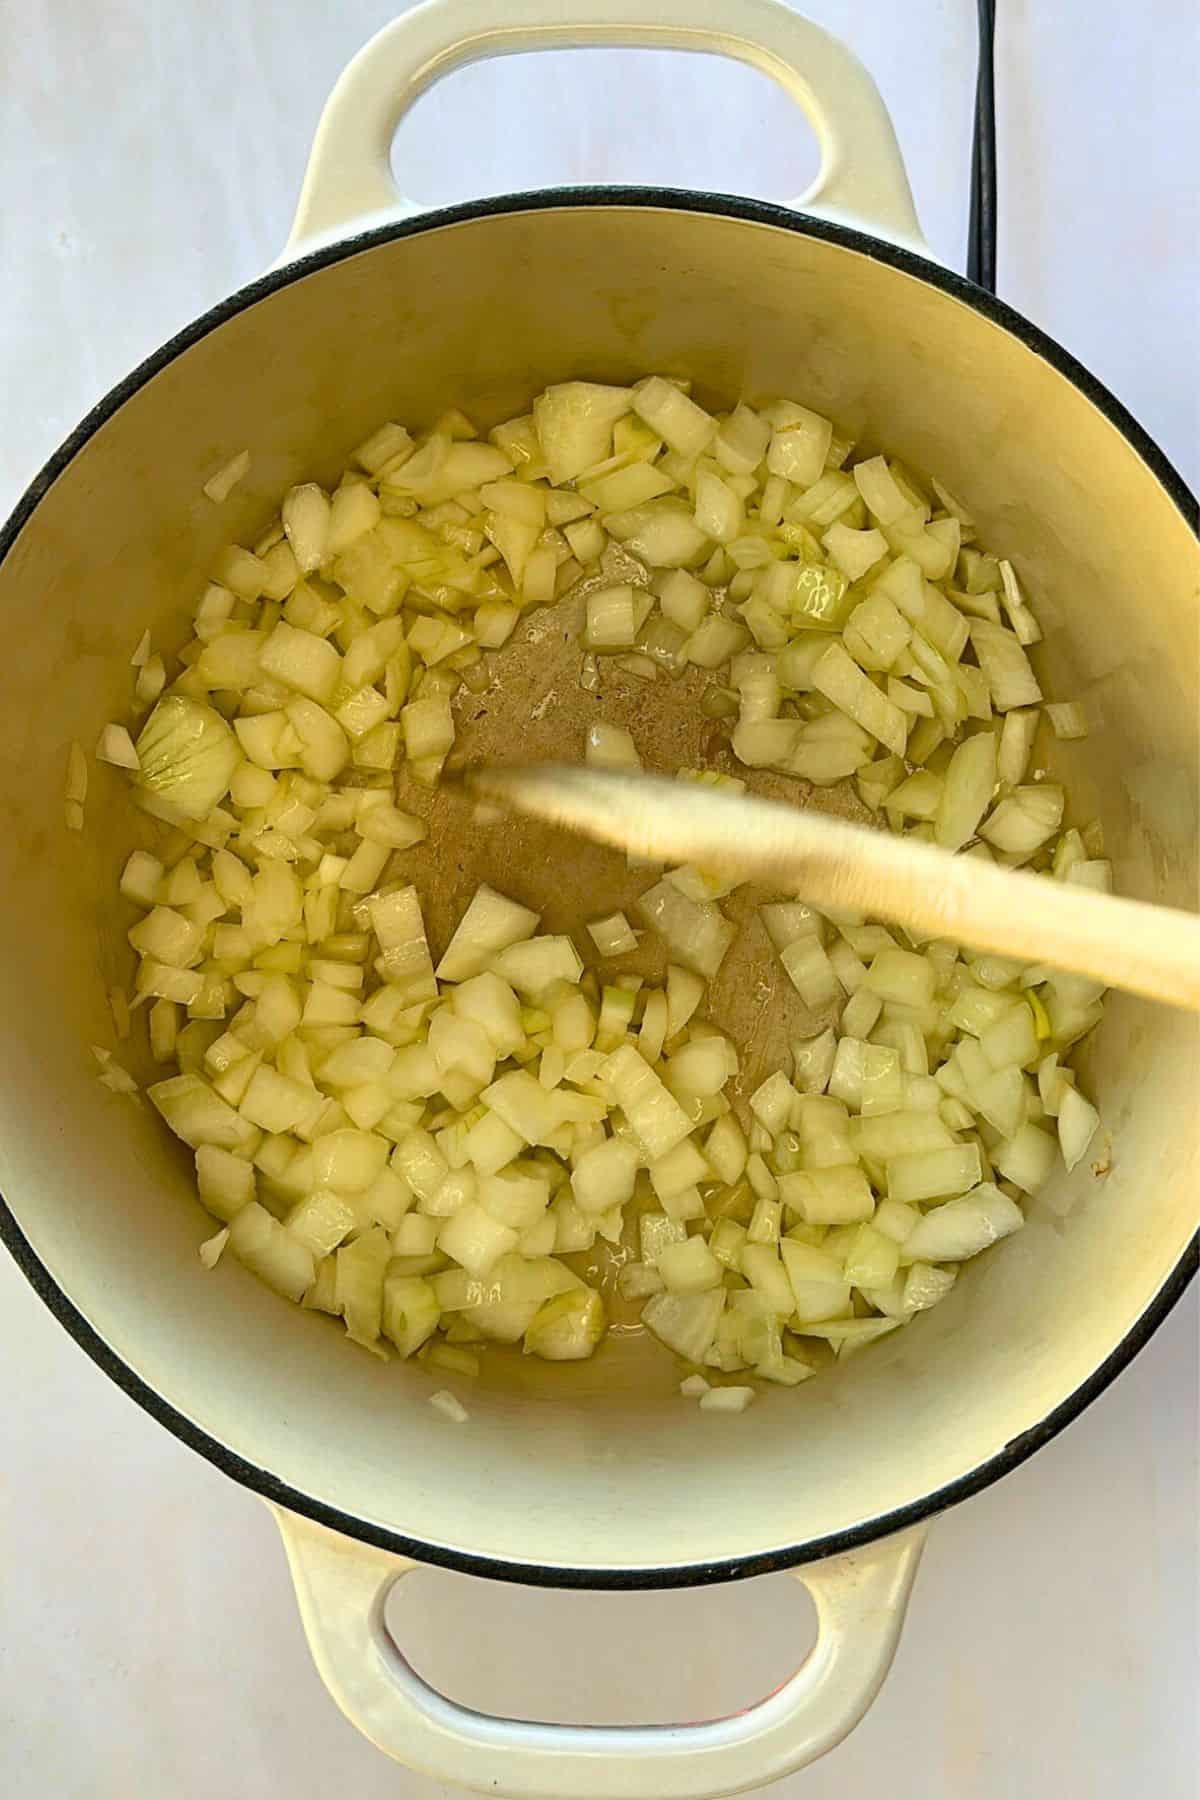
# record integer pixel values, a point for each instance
(591, 1475)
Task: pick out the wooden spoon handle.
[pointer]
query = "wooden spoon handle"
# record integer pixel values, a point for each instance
(1149, 950)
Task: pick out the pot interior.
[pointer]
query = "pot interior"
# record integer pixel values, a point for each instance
(595, 1466)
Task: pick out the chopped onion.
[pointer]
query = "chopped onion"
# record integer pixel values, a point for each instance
(612, 935)
(449, 1406)
(220, 485)
(925, 1285)
(685, 1323)
(967, 791)
(1027, 1158)
(697, 934)
(654, 1114)
(574, 424)
(211, 1248)
(1068, 719)
(567, 1327)
(726, 1399)
(116, 747)
(686, 427)
(842, 681)
(1005, 665)
(187, 754)
(963, 1227)
(1077, 1123)
(1024, 820)
(930, 1174)
(610, 619)
(414, 1149)
(490, 924)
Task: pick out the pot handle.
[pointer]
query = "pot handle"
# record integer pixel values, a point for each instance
(861, 182)
(342, 1586)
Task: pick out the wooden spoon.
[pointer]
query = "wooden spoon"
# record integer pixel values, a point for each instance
(1149, 950)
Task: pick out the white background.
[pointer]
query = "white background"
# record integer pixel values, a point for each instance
(150, 152)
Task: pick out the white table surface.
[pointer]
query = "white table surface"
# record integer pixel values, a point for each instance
(150, 152)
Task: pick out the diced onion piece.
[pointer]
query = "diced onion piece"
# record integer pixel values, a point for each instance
(842, 681)
(1027, 1158)
(810, 971)
(818, 1283)
(77, 776)
(812, 1061)
(495, 623)
(490, 924)
(1094, 872)
(854, 552)
(771, 1102)
(1024, 820)
(475, 1240)
(684, 599)
(612, 935)
(537, 963)
(880, 491)
(116, 747)
(662, 532)
(679, 1169)
(269, 1251)
(789, 920)
(900, 976)
(1068, 718)
(727, 1399)
(574, 423)
(1011, 1039)
(567, 1327)
(703, 1066)
(1005, 665)
(604, 1176)
(220, 485)
(211, 1248)
(657, 1118)
(685, 1323)
(142, 878)
(401, 932)
(1077, 1123)
(685, 991)
(1016, 745)
(696, 934)
(720, 514)
(1023, 622)
(671, 415)
(610, 747)
(963, 1227)
(925, 1285)
(449, 1406)
(967, 791)
(610, 618)
(799, 443)
(689, 1267)
(930, 1174)
(187, 754)
(848, 1335)
(742, 440)
(835, 1196)
(872, 1258)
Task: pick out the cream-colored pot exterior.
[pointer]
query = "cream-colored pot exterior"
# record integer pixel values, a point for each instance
(592, 1473)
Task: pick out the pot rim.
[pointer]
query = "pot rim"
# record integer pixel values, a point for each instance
(262, 1481)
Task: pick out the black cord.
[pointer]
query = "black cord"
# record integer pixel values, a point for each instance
(981, 228)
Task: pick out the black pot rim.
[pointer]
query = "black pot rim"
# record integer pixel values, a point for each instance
(262, 1481)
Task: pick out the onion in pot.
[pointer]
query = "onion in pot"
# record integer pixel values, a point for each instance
(416, 1148)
